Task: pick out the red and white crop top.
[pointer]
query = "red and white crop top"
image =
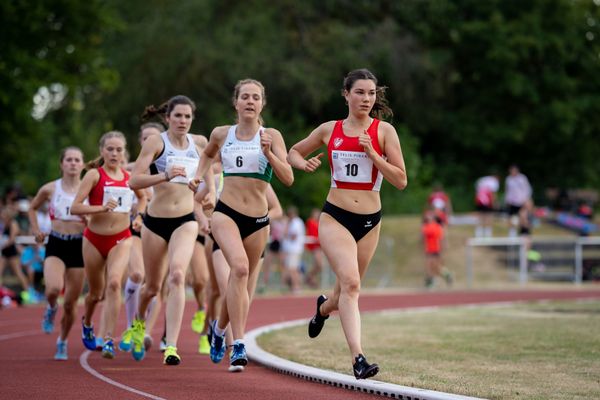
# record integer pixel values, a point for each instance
(351, 168)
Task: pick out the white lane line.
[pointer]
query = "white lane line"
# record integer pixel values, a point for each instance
(84, 363)
(257, 354)
(20, 334)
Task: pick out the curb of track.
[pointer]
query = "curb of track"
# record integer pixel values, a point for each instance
(257, 354)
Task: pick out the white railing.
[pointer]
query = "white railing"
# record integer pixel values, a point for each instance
(522, 243)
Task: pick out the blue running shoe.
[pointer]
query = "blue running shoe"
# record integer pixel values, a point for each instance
(108, 350)
(61, 350)
(87, 335)
(238, 355)
(217, 345)
(48, 321)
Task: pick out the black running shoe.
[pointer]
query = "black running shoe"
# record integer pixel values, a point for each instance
(316, 323)
(362, 369)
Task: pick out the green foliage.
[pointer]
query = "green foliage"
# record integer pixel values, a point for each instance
(475, 85)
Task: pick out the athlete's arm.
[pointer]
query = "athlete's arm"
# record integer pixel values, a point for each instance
(273, 147)
(43, 195)
(140, 178)
(217, 137)
(392, 167)
(316, 139)
(275, 210)
(88, 182)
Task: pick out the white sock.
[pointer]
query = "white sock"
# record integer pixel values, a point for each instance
(132, 295)
(219, 331)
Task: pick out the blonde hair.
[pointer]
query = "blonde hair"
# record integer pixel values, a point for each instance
(99, 161)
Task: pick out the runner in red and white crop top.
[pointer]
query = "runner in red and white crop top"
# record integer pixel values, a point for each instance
(97, 194)
(351, 168)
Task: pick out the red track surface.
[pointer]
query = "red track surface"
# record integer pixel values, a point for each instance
(27, 370)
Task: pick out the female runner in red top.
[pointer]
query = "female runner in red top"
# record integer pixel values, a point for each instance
(105, 243)
(362, 150)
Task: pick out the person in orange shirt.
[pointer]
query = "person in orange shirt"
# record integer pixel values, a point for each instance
(433, 234)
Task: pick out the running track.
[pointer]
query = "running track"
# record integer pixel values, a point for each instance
(27, 370)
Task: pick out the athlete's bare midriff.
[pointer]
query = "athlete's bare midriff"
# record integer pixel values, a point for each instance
(356, 201)
(171, 200)
(245, 195)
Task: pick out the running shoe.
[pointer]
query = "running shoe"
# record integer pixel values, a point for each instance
(61, 350)
(203, 345)
(238, 355)
(99, 343)
(316, 323)
(108, 350)
(171, 357)
(137, 337)
(209, 332)
(87, 335)
(362, 369)
(125, 343)
(198, 321)
(217, 346)
(163, 344)
(148, 342)
(48, 320)
(236, 368)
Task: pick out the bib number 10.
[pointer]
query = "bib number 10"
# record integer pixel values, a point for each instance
(351, 169)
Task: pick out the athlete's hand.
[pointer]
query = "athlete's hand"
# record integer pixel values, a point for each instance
(265, 141)
(194, 183)
(365, 141)
(209, 201)
(177, 170)
(136, 224)
(110, 205)
(204, 226)
(39, 236)
(313, 163)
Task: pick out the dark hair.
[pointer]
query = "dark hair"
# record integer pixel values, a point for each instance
(380, 109)
(165, 108)
(99, 161)
(63, 153)
(156, 125)
(238, 87)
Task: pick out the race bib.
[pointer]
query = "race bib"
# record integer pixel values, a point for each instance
(351, 166)
(122, 195)
(190, 164)
(62, 209)
(238, 159)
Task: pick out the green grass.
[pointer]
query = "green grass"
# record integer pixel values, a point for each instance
(527, 351)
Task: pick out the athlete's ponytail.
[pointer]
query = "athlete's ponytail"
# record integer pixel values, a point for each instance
(165, 108)
(381, 108)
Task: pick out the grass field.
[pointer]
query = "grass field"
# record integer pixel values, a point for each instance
(547, 350)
